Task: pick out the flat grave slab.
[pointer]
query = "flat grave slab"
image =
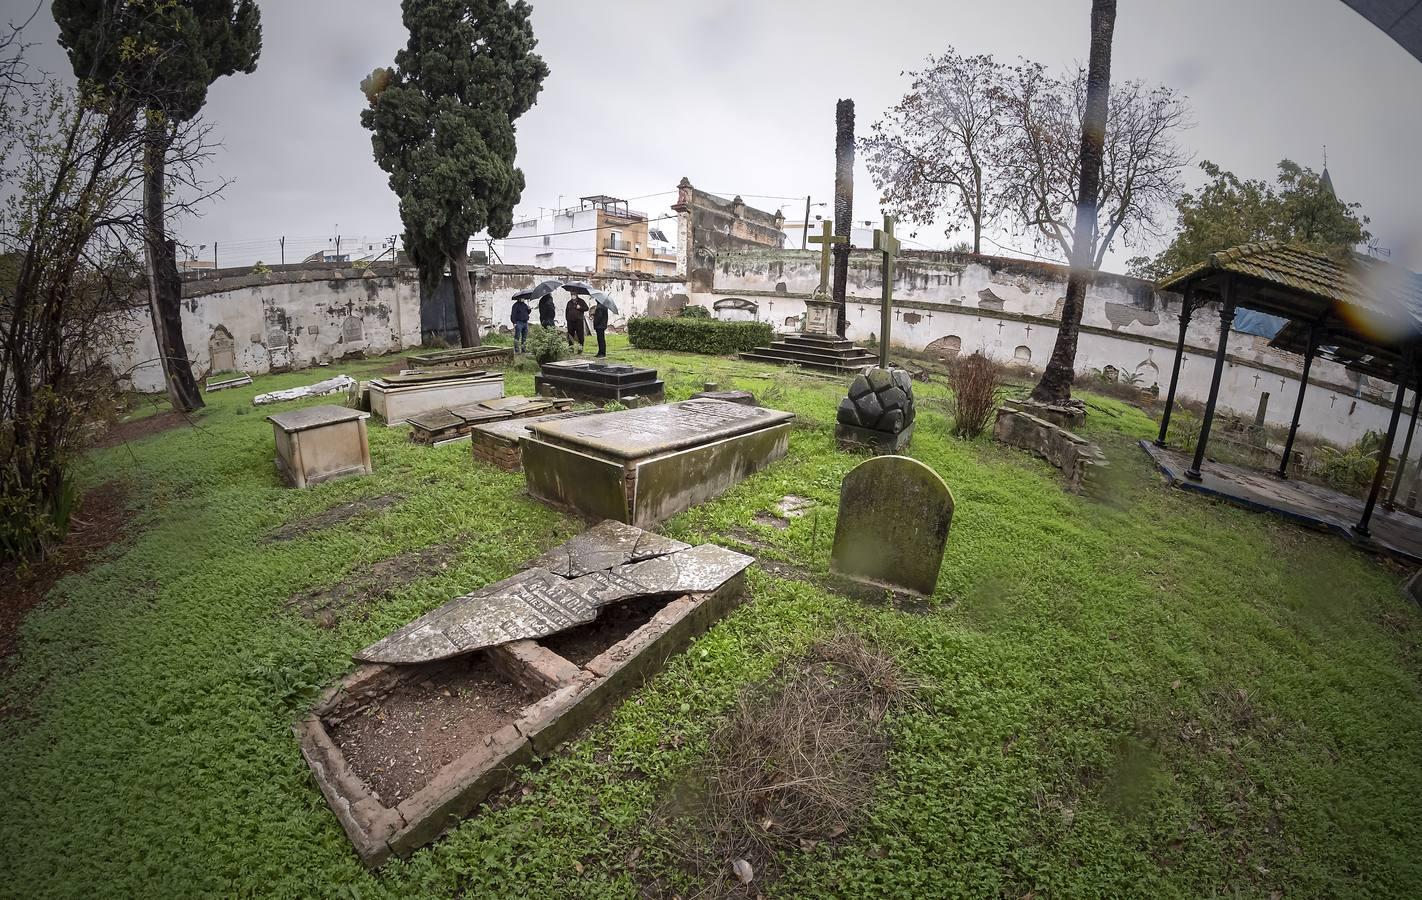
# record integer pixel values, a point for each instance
(441, 426)
(320, 443)
(641, 466)
(398, 398)
(599, 382)
(404, 749)
(462, 357)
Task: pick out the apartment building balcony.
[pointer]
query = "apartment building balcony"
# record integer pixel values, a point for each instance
(617, 245)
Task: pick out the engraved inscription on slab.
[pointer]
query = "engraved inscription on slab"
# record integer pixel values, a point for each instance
(531, 604)
(647, 430)
(603, 546)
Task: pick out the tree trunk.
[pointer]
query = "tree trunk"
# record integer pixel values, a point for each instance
(165, 291)
(1055, 386)
(843, 204)
(465, 307)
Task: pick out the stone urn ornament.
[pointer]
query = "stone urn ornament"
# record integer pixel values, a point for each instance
(879, 412)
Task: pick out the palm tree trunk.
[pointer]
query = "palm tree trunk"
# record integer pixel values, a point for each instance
(165, 292)
(843, 205)
(466, 308)
(1055, 386)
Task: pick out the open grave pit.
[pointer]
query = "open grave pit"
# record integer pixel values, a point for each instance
(442, 711)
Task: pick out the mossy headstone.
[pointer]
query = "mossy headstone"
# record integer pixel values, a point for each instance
(894, 515)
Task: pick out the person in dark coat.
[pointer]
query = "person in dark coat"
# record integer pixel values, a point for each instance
(520, 324)
(576, 309)
(600, 327)
(547, 312)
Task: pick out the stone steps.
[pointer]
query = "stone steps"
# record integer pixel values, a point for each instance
(820, 361)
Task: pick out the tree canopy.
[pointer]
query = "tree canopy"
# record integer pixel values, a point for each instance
(1299, 207)
(441, 122)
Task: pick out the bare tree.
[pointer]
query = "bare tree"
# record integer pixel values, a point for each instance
(71, 230)
(932, 154)
(1040, 168)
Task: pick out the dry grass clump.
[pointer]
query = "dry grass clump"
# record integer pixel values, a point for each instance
(794, 765)
(977, 384)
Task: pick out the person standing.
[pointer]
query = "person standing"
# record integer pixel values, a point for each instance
(600, 327)
(547, 312)
(520, 323)
(575, 311)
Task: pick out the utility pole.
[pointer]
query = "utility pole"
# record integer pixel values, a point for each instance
(215, 266)
(805, 231)
(283, 249)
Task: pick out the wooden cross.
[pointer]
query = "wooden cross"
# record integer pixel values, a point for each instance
(888, 245)
(826, 240)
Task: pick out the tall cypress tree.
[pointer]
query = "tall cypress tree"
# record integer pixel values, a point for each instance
(163, 54)
(442, 125)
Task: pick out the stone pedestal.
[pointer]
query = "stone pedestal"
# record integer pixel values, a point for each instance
(641, 466)
(819, 317)
(878, 414)
(597, 382)
(319, 443)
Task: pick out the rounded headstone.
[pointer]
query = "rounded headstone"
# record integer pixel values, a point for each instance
(892, 528)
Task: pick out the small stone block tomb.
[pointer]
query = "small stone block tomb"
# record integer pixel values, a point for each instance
(462, 357)
(398, 398)
(641, 466)
(497, 443)
(441, 426)
(439, 713)
(319, 443)
(599, 382)
(892, 529)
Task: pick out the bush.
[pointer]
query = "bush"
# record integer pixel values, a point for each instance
(698, 335)
(547, 345)
(1352, 469)
(977, 391)
(695, 312)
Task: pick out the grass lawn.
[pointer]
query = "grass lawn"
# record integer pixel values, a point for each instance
(1135, 693)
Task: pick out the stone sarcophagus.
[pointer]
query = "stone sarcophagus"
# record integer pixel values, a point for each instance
(641, 466)
(598, 382)
(398, 398)
(319, 443)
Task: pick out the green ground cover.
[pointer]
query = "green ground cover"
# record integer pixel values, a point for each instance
(1132, 693)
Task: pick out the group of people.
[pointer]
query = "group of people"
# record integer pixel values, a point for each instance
(576, 319)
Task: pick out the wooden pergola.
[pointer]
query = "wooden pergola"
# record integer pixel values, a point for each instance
(1362, 313)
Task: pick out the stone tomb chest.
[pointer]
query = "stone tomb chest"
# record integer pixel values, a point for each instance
(598, 382)
(438, 714)
(641, 466)
(442, 426)
(497, 443)
(398, 398)
(319, 443)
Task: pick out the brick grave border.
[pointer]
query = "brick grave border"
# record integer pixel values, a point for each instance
(572, 696)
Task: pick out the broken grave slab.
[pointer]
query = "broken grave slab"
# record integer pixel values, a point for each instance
(605, 546)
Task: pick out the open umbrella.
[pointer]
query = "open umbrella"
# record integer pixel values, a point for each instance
(604, 300)
(578, 287)
(539, 291)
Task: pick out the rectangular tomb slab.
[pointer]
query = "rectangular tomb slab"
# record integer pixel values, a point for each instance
(600, 382)
(403, 751)
(442, 426)
(320, 443)
(398, 398)
(497, 443)
(644, 465)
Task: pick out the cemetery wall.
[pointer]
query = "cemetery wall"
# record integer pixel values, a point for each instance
(1009, 309)
(634, 293)
(290, 318)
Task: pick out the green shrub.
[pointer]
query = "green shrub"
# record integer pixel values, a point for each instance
(698, 335)
(695, 312)
(547, 344)
(1352, 469)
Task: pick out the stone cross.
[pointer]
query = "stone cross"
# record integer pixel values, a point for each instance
(826, 240)
(888, 245)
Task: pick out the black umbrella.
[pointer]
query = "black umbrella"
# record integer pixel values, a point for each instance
(539, 291)
(577, 287)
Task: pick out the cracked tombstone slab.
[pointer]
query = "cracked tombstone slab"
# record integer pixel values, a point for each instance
(892, 529)
(531, 604)
(697, 570)
(605, 546)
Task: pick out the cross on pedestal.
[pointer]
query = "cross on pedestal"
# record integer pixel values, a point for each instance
(826, 240)
(888, 245)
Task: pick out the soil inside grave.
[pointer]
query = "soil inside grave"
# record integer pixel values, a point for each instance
(403, 740)
(585, 643)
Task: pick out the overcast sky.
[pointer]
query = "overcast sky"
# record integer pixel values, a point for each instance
(739, 96)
